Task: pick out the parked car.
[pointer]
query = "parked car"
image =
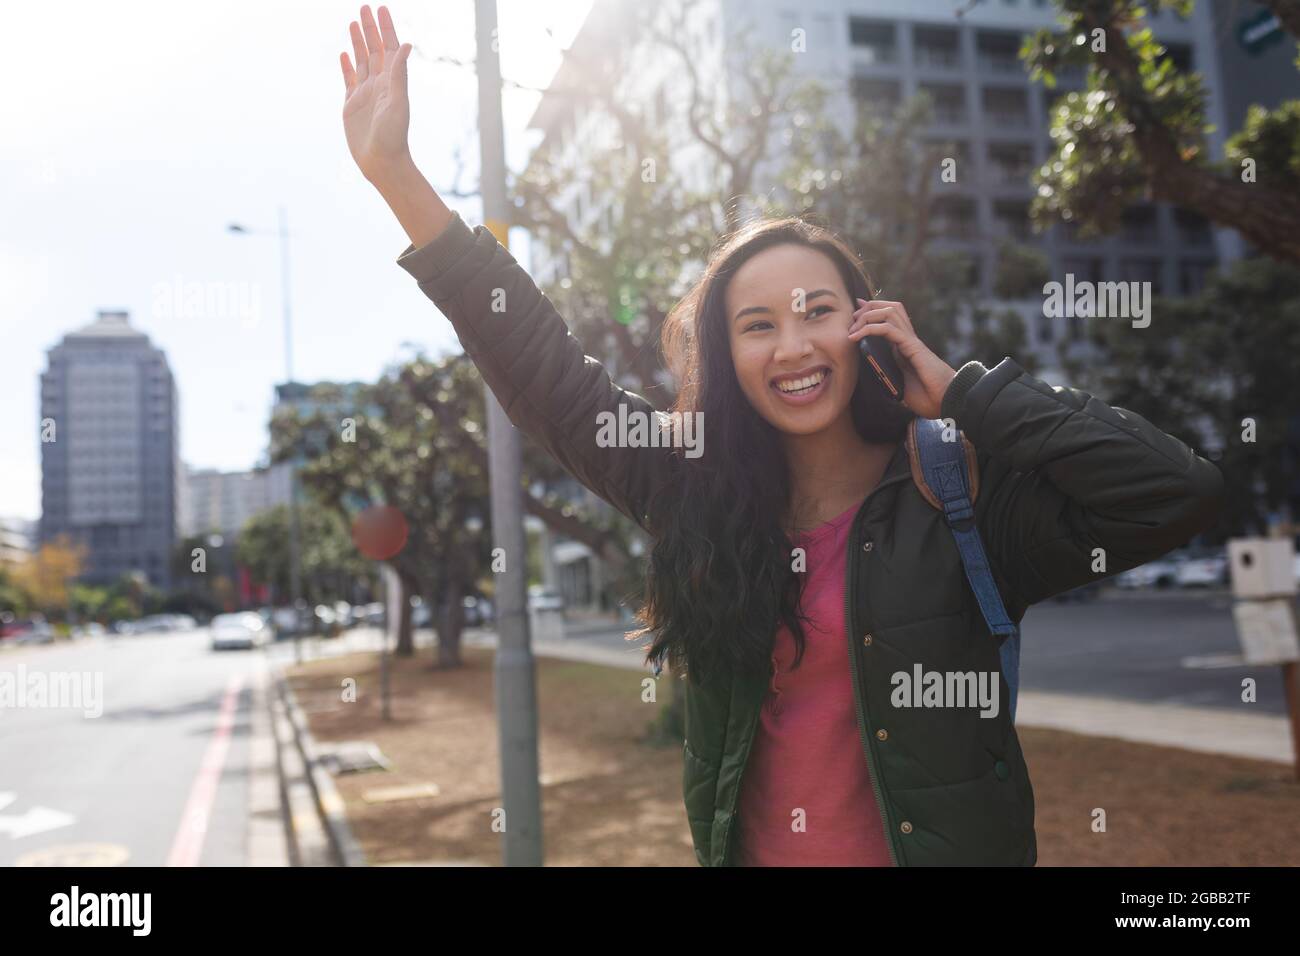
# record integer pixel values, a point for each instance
(325, 620)
(474, 612)
(243, 629)
(345, 614)
(540, 599)
(284, 620)
(28, 630)
(90, 629)
(1203, 569)
(421, 613)
(154, 624)
(372, 614)
(1160, 573)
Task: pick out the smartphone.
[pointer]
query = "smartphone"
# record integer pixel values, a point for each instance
(878, 354)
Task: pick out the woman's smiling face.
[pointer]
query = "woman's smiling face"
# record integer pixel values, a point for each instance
(773, 345)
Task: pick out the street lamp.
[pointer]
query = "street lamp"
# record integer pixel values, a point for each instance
(295, 549)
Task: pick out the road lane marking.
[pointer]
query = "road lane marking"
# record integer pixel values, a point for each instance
(35, 820)
(187, 845)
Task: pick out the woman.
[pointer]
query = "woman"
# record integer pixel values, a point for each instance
(798, 576)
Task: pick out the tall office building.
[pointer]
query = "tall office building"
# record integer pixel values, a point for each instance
(878, 53)
(110, 472)
(16, 535)
(224, 501)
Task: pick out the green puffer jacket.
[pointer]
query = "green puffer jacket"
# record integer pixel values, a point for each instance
(1061, 474)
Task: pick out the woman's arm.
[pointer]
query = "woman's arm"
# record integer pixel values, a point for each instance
(539, 373)
(1066, 481)
(1063, 474)
(562, 398)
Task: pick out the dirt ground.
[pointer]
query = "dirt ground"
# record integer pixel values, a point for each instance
(610, 799)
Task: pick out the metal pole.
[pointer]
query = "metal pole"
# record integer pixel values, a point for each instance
(295, 553)
(516, 691)
(392, 622)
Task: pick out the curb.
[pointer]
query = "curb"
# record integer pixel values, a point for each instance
(268, 832)
(319, 834)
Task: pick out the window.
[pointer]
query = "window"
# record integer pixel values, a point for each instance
(1006, 108)
(954, 218)
(1181, 54)
(1011, 220)
(998, 52)
(1193, 228)
(1011, 163)
(1143, 270)
(1045, 331)
(872, 40)
(1084, 269)
(1193, 274)
(1138, 224)
(880, 96)
(948, 102)
(937, 47)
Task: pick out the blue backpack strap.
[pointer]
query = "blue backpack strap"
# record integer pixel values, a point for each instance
(943, 475)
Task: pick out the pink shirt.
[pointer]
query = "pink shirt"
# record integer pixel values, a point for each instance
(807, 753)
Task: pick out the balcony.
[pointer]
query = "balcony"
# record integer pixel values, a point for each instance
(953, 218)
(937, 49)
(948, 103)
(880, 96)
(1011, 221)
(1193, 228)
(873, 41)
(1139, 226)
(1006, 109)
(999, 52)
(1010, 164)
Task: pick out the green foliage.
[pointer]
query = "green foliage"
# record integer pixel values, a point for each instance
(13, 597)
(1209, 362)
(1138, 132)
(1272, 139)
(418, 447)
(1021, 273)
(329, 559)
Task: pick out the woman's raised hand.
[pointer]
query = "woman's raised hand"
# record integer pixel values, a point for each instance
(376, 111)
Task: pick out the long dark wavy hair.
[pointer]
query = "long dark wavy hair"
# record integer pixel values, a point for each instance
(719, 579)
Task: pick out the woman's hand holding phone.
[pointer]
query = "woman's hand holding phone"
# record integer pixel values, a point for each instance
(925, 376)
(376, 119)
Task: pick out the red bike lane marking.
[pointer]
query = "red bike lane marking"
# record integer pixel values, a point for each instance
(193, 829)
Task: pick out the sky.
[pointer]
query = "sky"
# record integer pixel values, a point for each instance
(136, 132)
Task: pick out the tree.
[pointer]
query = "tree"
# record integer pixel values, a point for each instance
(48, 574)
(330, 562)
(1138, 131)
(1227, 375)
(412, 442)
(13, 599)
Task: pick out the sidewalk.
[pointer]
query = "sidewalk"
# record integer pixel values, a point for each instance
(1200, 729)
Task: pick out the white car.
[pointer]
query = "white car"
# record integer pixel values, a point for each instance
(1203, 571)
(1160, 573)
(540, 599)
(244, 629)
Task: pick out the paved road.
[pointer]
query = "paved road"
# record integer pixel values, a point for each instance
(160, 776)
(1139, 647)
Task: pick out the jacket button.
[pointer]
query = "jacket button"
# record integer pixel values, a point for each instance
(905, 827)
(882, 734)
(866, 640)
(1002, 770)
(867, 545)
